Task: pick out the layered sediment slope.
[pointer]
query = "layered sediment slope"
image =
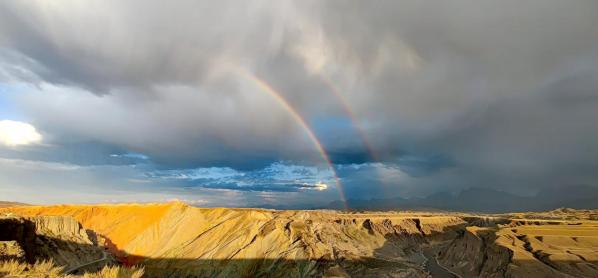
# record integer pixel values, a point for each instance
(182, 241)
(176, 238)
(525, 248)
(58, 238)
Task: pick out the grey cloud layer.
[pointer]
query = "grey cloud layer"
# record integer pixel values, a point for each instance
(504, 90)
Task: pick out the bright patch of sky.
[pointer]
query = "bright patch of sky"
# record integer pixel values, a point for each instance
(131, 155)
(14, 133)
(278, 176)
(7, 107)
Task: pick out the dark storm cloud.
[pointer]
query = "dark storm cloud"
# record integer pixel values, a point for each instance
(101, 45)
(445, 95)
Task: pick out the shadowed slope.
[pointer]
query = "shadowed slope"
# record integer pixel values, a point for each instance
(118, 223)
(176, 238)
(526, 249)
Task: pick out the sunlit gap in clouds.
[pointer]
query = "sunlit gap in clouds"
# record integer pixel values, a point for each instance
(282, 176)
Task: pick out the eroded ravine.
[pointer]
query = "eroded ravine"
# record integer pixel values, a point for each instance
(178, 240)
(433, 266)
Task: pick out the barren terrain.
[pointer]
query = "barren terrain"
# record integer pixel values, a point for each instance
(183, 241)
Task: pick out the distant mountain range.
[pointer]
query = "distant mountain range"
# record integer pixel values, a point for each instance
(485, 200)
(474, 199)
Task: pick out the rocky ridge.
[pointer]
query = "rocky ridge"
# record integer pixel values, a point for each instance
(59, 238)
(525, 248)
(178, 240)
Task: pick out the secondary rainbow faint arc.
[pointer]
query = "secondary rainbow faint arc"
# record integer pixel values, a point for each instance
(349, 112)
(264, 86)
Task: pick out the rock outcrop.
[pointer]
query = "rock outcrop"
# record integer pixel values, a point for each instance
(59, 238)
(530, 248)
(474, 254)
(181, 241)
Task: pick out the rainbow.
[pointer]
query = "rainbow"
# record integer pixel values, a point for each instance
(353, 118)
(265, 87)
(349, 112)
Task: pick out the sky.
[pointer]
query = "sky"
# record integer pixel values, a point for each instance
(294, 103)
